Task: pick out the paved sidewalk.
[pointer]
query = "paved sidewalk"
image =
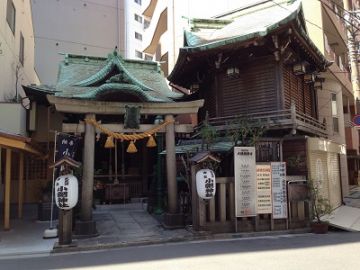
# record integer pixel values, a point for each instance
(130, 225)
(118, 226)
(25, 236)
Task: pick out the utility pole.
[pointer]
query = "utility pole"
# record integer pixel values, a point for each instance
(351, 33)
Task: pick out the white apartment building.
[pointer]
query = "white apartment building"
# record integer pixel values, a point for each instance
(84, 27)
(16, 63)
(166, 21)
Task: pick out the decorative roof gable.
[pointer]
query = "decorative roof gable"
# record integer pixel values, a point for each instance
(113, 66)
(110, 79)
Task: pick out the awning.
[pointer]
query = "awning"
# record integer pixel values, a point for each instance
(347, 217)
(22, 143)
(194, 146)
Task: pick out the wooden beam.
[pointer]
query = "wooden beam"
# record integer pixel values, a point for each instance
(7, 190)
(21, 185)
(18, 144)
(118, 108)
(80, 128)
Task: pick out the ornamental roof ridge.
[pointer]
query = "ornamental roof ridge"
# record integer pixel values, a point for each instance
(114, 60)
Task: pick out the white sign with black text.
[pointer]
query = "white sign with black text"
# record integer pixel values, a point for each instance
(278, 171)
(245, 181)
(263, 184)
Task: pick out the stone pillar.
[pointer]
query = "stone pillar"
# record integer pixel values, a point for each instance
(171, 165)
(172, 218)
(87, 226)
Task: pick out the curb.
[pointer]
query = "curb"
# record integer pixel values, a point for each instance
(184, 239)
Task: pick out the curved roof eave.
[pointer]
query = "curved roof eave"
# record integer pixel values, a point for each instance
(120, 88)
(210, 45)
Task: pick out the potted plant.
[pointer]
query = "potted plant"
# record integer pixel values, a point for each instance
(320, 206)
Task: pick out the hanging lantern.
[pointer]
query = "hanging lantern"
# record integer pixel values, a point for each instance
(109, 142)
(131, 148)
(66, 191)
(205, 183)
(151, 142)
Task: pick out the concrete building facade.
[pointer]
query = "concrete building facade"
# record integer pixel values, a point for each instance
(326, 25)
(90, 28)
(17, 62)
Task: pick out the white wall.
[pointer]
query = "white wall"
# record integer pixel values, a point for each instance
(133, 26)
(83, 27)
(73, 26)
(13, 118)
(9, 50)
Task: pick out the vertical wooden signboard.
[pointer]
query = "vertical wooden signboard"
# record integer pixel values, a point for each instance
(279, 199)
(263, 184)
(245, 181)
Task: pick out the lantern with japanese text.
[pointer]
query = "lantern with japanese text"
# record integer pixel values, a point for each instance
(66, 191)
(205, 183)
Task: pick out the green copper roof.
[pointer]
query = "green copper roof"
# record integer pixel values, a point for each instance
(256, 22)
(96, 78)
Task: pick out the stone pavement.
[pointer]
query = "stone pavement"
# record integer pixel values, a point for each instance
(122, 225)
(118, 225)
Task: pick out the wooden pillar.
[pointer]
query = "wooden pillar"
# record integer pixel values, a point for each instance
(88, 170)
(194, 199)
(7, 190)
(21, 185)
(1, 173)
(171, 165)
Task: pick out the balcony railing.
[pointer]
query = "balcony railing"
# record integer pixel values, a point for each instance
(274, 120)
(334, 14)
(338, 68)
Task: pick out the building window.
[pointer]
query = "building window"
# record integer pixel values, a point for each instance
(147, 24)
(138, 18)
(334, 113)
(21, 51)
(148, 57)
(11, 15)
(138, 2)
(138, 54)
(138, 36)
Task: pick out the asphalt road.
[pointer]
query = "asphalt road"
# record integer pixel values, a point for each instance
(336, 250)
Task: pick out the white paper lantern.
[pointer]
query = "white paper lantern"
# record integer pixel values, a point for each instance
(205, 183)
(66, 191)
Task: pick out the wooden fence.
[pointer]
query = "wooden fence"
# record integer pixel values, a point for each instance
(218, 214)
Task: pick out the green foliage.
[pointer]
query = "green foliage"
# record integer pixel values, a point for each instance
(320, 205)
(208, 133)
(244, 131)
